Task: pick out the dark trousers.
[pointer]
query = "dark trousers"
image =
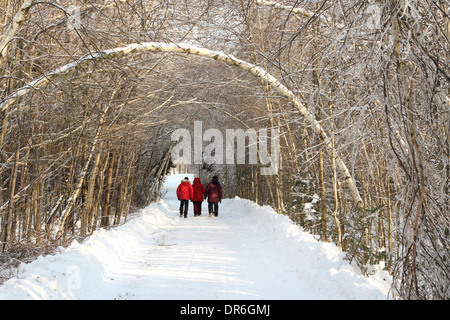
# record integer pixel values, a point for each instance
(213, 207)
(197, 208)
(184, 207)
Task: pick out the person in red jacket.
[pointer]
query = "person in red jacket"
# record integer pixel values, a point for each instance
(214, 193)
(197, 199)
(185, 192)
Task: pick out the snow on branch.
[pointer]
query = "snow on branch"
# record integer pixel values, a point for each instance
(301, 11)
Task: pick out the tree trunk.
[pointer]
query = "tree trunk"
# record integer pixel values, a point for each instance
(12, 188)
(323, 207)
(88, 205)
(107, 206)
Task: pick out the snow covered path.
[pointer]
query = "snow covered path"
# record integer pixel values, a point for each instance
(248, 252)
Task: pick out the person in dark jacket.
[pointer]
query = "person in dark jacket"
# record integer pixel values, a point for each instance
(214, 194)
(185, 192)
(197, 199)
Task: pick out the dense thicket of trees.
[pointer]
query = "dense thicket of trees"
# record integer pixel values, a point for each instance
(87, 147)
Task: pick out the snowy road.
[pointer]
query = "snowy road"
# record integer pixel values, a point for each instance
(214, 258)
(248, 252)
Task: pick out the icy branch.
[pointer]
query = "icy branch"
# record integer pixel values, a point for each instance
(294, 10)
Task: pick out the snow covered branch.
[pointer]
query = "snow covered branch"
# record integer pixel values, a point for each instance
(19, 18)
(301, 11)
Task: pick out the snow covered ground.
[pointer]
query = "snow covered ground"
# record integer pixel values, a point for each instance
(248, 252)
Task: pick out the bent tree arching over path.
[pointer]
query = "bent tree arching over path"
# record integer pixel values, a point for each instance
(219, 56)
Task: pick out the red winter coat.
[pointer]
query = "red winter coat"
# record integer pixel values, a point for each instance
(199, 190)
(214, 191)
(185, 190)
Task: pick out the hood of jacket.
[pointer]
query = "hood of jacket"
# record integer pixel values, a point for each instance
(197, 180)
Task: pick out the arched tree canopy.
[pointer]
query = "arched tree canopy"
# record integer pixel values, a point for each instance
(194, 50)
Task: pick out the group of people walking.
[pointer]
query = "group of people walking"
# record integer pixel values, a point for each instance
(196, 193)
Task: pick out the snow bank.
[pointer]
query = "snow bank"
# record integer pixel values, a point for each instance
(329, 276)
(91, 268)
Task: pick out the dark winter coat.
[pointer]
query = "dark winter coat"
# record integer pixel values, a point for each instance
(214, 191)
(199, 190)
(185, 190)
